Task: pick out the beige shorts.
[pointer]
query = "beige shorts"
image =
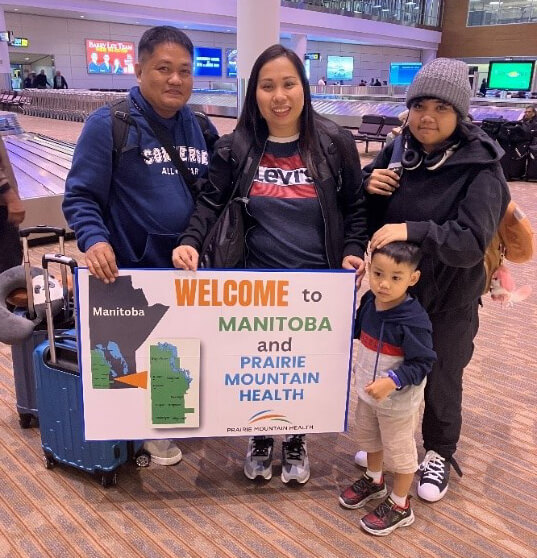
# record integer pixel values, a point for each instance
(375, 430)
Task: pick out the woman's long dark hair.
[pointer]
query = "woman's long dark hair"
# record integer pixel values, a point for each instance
(252, 123)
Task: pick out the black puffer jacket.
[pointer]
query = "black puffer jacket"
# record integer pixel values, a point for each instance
(339, 188)
(452, 212)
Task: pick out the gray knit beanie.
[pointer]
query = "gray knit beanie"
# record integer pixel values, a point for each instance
(445, 79)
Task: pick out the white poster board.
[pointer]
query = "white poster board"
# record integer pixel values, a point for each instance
(177, 354)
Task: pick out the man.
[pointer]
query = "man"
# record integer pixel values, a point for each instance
(41, 81)
(59, 81)
(11, 215)
(94, 67)
(105, 66)
(130, 213)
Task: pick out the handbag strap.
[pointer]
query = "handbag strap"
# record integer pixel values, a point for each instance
(164, 137)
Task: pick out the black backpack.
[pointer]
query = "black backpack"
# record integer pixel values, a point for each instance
(514, 132)
(491, 126)
(122, 120)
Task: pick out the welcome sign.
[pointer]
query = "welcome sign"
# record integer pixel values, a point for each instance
(175, 354)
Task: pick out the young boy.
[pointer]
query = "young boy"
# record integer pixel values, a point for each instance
(394, 356)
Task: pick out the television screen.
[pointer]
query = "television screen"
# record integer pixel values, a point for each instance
(231, 59)
(339, 67)
(402, 73)
(207, 61)
(109, 57)
(511, 75)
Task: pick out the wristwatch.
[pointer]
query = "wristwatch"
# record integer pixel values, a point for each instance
(396, 380)
(4, 188)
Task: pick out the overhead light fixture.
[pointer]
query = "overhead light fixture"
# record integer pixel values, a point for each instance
(15, 9)
(385, 10)
(27, 58)
(82, 17)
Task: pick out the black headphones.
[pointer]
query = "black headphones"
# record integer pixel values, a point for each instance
(413, 156)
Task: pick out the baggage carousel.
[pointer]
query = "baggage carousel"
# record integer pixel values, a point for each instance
(41, 163)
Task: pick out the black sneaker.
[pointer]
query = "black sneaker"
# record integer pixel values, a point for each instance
(387, 517)
(434, 476)
(363, 490)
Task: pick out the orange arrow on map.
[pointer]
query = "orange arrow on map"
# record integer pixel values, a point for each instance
(137, 380)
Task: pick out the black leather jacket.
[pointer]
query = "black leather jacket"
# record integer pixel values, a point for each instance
(341, 196)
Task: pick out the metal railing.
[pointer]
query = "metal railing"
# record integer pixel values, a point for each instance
(417, 13)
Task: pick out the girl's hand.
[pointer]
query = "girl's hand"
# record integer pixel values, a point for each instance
(389, 233)
(382, 182)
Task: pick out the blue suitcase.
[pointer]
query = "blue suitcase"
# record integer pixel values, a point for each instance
(22, 353)
(61, 414)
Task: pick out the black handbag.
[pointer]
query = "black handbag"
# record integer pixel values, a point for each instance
(223, 247)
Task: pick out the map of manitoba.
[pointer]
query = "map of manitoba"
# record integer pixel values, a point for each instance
(174, 369)
(120, 320)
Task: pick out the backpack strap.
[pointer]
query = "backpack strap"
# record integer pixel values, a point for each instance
(208, 134)
(121, 120)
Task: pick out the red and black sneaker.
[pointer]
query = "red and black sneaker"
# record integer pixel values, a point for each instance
(360, 492)
(387, 517)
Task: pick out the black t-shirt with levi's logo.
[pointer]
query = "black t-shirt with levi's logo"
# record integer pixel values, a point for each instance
(288, 226)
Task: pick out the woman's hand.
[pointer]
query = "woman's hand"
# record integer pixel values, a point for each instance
(389, 233)
(356, 263)
(382, 182)
(185, 257)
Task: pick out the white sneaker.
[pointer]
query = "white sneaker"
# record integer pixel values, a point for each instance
(295, 461)
(360, 459)
(258, 462)
(163, 452)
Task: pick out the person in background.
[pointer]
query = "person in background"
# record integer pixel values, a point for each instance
(117, 223)
(314, 220)
(394, 357)
(402, 116)
(447, 195)
(11, 214)
(59, 81)
(529, 121)
(483, 87)
(377, 83)
(28, 79)
(41, 81)
(322, 81)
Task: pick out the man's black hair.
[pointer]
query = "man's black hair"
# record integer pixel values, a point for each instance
(401, 252)
(163, 34)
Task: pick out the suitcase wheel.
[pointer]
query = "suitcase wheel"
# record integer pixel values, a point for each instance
(109, 479)
(143, 459)
(48, 461)
(25, 420)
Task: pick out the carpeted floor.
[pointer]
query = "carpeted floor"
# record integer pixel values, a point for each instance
(204, 506)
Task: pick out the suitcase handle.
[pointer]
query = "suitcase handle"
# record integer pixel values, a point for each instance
(58, 258)
(24, 233)
(65, 261)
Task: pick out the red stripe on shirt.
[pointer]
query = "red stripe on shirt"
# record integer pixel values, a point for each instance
(385, 348)
(278, 191)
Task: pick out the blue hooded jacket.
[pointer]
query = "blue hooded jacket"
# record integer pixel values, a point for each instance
(142, 206)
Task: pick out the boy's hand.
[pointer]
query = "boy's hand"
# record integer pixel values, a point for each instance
(380, 389)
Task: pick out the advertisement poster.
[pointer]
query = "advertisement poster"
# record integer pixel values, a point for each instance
(109, 57)
(231, 59)
(207, 61)
(177, 354)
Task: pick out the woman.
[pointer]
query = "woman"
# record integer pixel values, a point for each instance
(314, 219)
(449, 199)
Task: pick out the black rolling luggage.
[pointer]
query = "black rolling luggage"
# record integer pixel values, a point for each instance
(515, 139)
(531, 169)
